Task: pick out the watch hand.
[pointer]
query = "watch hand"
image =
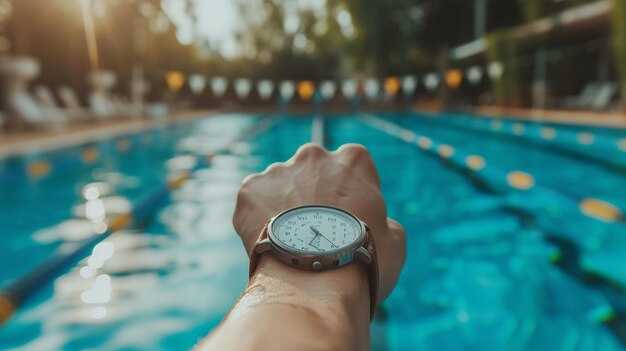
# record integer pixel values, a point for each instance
(310, 244)
(317, 232)
(315, 236)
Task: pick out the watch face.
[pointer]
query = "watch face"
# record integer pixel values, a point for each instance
(316, 230)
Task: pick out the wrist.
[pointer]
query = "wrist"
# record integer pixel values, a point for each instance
(336, 301)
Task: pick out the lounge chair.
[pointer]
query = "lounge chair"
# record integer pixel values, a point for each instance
(47, 100)
(123, 106)
(101, 102)
(101, 105)
(26, 111)
(72, 104)
(604, 96)
(22, 109)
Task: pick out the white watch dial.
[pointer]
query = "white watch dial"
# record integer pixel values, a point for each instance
(316, 229)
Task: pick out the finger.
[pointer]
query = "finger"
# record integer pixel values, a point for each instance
(274, 168)
(396, 230)
(309, 151)
(250, 179)
(358, 158)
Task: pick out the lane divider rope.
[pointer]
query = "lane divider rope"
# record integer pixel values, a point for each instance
(518, 181)
(497, 179)
(603, 149)
(18, 291)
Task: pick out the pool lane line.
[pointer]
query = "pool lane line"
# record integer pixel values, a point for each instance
(475, 163)
(494, 178)
(514, 181)
(36, 167)
(17, 292)
(317, 130)
(586, 145)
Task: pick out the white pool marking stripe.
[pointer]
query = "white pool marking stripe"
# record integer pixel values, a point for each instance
(317, 130)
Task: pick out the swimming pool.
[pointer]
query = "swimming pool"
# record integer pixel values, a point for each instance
(515, 235)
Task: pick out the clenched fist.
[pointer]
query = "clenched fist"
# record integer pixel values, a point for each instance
(346, 178)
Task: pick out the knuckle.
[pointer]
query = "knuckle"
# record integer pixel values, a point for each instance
(354, 152)
(235, 221)
(398, 230)
(356, 149)
(249, 180)
(275, 167)
(311, 150)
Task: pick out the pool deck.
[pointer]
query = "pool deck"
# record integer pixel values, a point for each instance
(30, 141)
(23, 142)
(584, 118)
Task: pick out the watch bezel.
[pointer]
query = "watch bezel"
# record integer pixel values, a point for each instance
(297, 253)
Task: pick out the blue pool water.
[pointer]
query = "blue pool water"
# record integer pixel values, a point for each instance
(489, 267)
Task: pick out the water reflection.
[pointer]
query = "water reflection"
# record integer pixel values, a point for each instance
(101, 252)
(130, 285)
(100, 292)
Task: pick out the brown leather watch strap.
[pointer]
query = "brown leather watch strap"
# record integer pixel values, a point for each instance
(254, 256)
(372, 266)
(373, 273)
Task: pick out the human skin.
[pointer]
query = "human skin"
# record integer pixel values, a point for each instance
(284, 308)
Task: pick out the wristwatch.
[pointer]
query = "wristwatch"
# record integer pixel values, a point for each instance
(316, 238)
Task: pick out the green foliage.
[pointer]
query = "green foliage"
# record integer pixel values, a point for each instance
(53, 32)
(619, 42)
(533, 9)
(537, 9)
(503, 47)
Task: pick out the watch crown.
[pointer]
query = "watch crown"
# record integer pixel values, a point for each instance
(317, 265)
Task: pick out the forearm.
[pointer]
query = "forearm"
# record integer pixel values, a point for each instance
(288, 309)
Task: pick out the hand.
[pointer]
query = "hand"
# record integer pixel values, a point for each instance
(346, 178)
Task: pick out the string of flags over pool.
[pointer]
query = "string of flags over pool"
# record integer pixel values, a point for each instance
(371, 88)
